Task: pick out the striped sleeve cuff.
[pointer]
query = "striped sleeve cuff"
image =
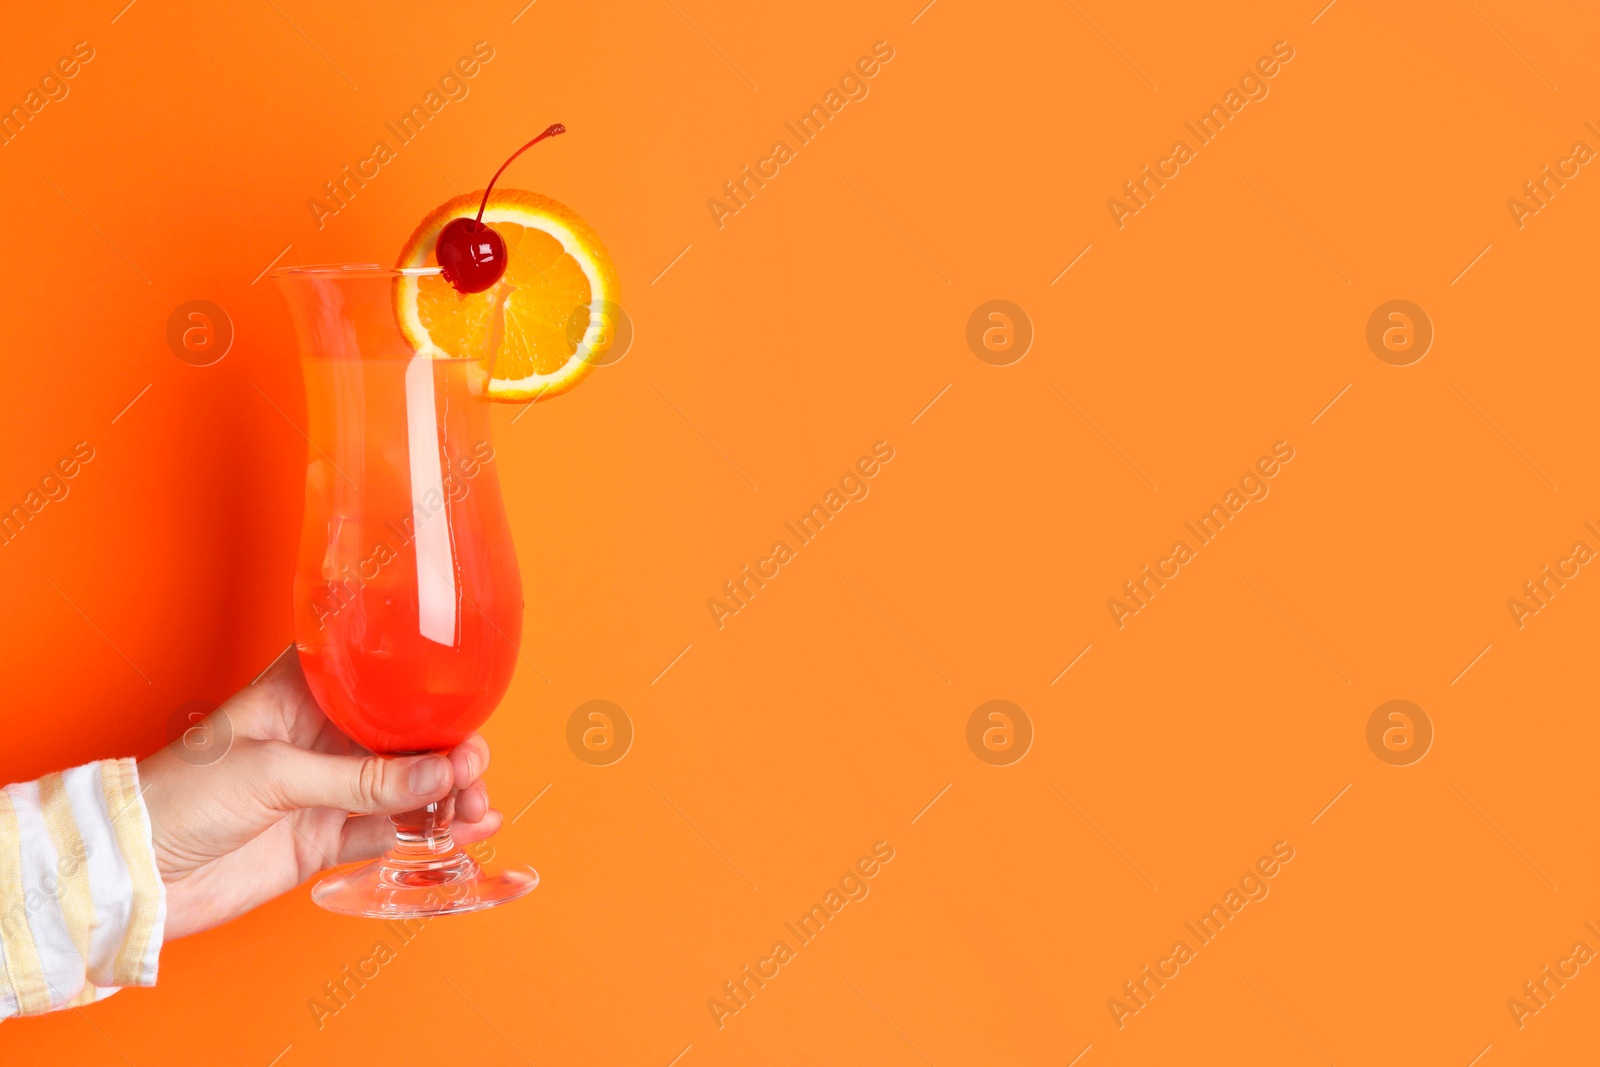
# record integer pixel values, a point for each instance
(81, 905)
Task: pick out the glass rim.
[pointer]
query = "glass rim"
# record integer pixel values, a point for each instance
(352, 270)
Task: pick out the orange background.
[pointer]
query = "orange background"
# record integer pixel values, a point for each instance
(828, 714)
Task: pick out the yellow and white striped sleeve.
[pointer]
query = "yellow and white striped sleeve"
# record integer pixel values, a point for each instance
(82, 907)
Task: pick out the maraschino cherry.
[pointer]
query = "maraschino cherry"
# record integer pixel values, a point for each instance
(472, 256)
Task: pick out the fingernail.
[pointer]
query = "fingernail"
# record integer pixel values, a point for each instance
(429, 776)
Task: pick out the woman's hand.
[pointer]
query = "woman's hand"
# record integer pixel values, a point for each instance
(272, 806)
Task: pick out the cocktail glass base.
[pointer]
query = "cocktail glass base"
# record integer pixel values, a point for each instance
(395, 887)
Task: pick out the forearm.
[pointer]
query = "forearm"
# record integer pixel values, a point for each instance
(81, 904)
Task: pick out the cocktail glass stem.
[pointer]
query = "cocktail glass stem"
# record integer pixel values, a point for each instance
(425, 853)
(424, 832)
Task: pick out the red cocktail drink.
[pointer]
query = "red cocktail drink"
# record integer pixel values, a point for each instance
(408, 604)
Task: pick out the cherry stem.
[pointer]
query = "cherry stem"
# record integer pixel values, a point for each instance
(554, 129)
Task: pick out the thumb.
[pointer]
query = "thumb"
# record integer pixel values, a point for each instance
(363, 785)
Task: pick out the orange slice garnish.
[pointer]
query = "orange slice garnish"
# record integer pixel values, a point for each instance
(542, 326)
